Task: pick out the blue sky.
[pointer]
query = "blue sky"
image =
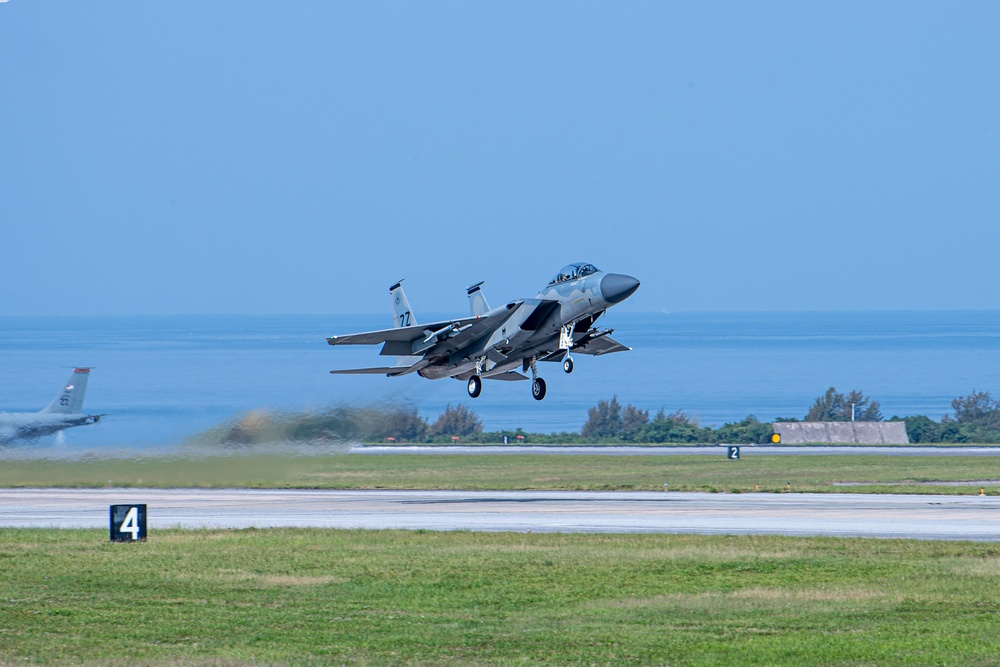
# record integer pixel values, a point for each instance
(265, 157)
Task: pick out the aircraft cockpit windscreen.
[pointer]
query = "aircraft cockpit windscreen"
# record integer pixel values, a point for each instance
(573, 272)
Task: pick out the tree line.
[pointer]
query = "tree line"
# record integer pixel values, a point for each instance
(976, 418)
(374, 423)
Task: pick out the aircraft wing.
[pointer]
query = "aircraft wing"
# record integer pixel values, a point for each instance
(599, 346)
(395, 335)
(430, 340)
(448, 335)
(466, 331)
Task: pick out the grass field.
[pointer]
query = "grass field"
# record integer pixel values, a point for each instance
(866, 474)
(398, 597)
(317, 597)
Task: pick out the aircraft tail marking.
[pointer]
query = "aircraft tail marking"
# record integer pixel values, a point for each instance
(69, 401)
(404, 317)
(401, 310)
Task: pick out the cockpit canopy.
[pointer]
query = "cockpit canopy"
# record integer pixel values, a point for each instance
(573, 272)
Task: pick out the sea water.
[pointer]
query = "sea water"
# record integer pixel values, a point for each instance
(164, 379)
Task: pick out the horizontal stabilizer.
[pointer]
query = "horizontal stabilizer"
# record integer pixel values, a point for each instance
(381, 370)
(388, 371)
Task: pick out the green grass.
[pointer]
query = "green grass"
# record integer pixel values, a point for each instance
(879, 474)
(401, 597)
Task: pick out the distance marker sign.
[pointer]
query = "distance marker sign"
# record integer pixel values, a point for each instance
(128, 523)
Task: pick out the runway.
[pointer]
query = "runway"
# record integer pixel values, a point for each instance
(890, 516)
(698, 450)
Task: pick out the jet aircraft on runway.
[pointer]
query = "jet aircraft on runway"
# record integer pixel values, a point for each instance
(491, 344)
(65, 411)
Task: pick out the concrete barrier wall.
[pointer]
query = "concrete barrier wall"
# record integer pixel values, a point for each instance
(852, 433)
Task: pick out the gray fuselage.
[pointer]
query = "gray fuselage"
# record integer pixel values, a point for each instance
(533, 328)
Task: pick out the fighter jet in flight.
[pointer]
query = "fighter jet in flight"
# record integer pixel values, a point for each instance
(493, 344)
(65, 411)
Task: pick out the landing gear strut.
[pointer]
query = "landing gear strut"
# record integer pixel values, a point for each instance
(537, 383)
(566, 343)
(476, 381)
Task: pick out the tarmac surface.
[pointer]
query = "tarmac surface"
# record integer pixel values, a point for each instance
(887, 516)
(706, 450)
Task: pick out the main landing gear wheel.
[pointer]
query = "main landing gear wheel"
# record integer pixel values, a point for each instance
(538, 389)
(476, 386)
(568, 365)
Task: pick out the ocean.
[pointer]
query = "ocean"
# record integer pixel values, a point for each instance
(164, 379)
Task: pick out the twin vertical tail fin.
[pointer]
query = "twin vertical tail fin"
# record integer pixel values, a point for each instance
(477, 300)
(69, 401)
(403, 315)
(401, 306)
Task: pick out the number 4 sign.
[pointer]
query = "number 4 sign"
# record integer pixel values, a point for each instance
(128, 523)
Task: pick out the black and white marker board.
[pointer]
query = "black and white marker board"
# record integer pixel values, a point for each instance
(128, 523)
(733, 452)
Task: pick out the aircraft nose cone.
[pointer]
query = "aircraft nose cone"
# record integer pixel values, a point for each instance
(617, 287)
